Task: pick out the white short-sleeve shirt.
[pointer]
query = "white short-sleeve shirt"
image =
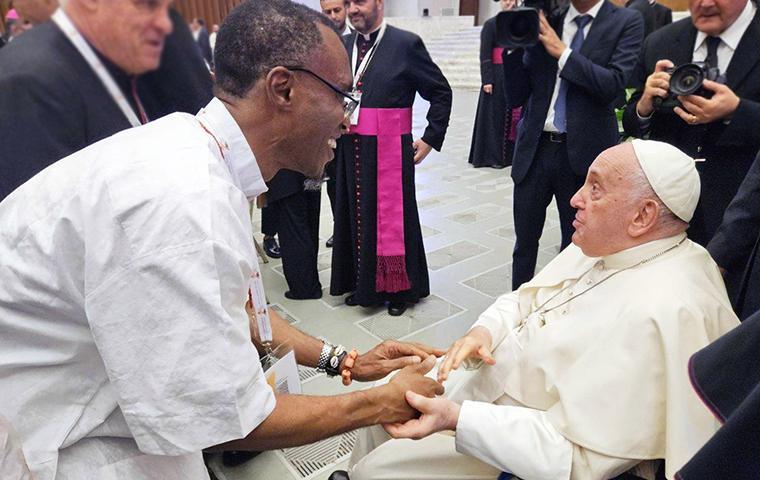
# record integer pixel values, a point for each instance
(124, 343)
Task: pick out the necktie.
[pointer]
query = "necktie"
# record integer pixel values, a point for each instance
(711, 60)
(560, 112)
(140, 110)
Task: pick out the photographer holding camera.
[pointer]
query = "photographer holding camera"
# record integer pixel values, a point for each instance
(568, 82)
(718, 122)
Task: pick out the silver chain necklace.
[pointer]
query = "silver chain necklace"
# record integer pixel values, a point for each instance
(543, 311)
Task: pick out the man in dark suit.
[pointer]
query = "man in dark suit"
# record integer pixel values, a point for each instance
(53, 100)
(735, 245)
(198, 28)
(569, 83)
(647, 12)
(722, 131)
(663, 15)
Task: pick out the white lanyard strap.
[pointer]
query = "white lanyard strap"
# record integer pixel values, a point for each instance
(68, 28)
(367, 57)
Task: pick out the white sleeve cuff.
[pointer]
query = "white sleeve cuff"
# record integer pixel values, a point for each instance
(514, 439)
(502, 316)
(563, 58)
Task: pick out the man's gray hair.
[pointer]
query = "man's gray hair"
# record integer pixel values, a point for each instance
(259, 35)
(642, 190)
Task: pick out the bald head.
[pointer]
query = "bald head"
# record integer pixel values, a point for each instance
(617, 208)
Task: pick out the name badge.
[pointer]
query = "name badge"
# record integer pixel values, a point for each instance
(259, 306)
(281, 372)
(357, 94)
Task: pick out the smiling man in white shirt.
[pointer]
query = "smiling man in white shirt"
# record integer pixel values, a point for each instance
(125, 345)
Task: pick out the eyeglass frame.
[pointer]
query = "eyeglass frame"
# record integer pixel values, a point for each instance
(349, 102)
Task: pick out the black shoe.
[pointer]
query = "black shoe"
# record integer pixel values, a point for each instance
(396, 309)
(339, 475)
(233, 458)
(291, 296)
(350, 301)
(329, 242)
(271, 247)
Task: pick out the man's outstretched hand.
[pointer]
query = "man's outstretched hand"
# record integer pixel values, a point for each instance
(411, 379)
(388, 356)
(437, 414)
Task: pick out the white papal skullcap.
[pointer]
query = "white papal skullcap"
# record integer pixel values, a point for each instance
(672, 175)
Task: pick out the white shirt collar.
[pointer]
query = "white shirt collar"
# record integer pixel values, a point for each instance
(236, 152)
(347, 30)
(733, 34)
(367, 36)
(572, 12)
(634, 255)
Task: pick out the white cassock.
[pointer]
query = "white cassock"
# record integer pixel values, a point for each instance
(125, 347)
(587, 390)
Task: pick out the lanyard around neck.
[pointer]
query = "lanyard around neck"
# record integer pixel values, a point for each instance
(68, 28)
(368, 57)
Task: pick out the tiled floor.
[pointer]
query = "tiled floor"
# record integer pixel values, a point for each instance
(466, 217)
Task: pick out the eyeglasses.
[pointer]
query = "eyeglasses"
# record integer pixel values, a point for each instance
(349, 102)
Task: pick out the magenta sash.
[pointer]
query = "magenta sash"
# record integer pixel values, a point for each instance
(496, 56)
(388, 124)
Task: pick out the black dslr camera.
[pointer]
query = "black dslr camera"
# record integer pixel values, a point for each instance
(687, 79)
(518, 28)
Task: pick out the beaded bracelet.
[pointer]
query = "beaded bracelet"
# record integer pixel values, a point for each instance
(350, 361)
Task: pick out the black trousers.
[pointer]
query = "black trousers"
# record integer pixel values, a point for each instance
(268, 221)
(549, 176)
(331, 185)
(298, 229)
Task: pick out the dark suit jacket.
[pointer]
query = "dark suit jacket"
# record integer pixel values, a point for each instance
(728, 149)
(663, 15)
(52, 103)
(647, 12)
(735, 244)
(597, 74)
(182, 83)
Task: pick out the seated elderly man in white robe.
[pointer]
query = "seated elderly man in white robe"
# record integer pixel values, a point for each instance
(584, 369)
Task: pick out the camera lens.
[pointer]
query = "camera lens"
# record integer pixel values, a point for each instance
(686, 79)
(521, 28)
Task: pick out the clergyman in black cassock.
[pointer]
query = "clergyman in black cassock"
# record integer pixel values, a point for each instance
(495, 129)
(399, 68)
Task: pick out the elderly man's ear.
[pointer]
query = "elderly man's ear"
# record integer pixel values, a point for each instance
(645, 219)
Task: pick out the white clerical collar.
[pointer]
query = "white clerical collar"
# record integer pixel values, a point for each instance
(734, 33)
(237, 153)
(369, 34)
(634, 255)
(572, 12)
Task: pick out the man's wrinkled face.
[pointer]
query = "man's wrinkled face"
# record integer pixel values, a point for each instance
(714, 16)
(336, 10)
(365, 14)
(320, 113)
(131, 33)
(603, 203)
